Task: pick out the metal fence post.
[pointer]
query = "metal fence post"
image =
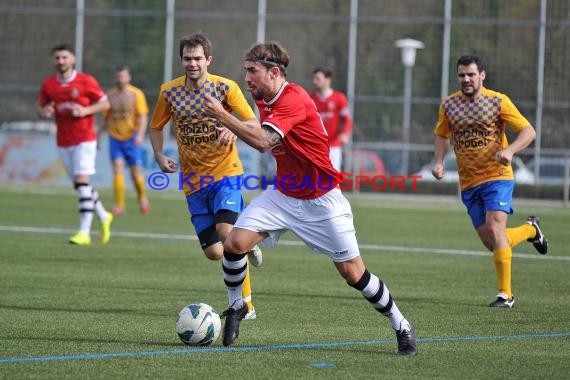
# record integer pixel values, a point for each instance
(540, 88)
(351, 76)
(79, 30)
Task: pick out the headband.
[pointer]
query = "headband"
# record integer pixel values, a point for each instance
(266, 62)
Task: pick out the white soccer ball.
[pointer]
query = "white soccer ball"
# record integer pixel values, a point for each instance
(198, 324)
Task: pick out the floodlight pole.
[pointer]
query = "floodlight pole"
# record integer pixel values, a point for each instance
(409, 47)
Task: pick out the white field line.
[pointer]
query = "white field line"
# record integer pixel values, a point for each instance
(291, 243)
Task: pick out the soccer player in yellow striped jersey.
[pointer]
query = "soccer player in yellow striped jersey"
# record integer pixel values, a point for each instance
(476, 118)
(126, 121)
(209, 163)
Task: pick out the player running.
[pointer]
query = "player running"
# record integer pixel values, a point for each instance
(319, 215)
(209, 160)
(73, 98)
(476, 118)
(335, 114)
(126, 122)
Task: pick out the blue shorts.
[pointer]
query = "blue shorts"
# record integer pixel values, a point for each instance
(206, 202)
(126, 150)
(488, 196)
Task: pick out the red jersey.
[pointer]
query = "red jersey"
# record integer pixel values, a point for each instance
(333, 109)
(304, 169)
(80, 89)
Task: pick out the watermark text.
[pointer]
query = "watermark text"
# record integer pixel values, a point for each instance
(346, 181)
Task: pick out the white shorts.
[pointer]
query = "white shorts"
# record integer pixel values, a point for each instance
(79, 159)
(324, 224)
(336, 157)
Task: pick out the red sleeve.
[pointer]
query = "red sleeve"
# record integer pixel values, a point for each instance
(344, 113)
(43, 98)
(94, 92)
(288, 112)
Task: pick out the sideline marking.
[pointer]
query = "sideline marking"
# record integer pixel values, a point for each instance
(322, 365)
(273, 347)
(291, 243)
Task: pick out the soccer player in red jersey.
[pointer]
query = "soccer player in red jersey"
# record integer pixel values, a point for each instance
(73, 98)
(305, 198)
(333, 108)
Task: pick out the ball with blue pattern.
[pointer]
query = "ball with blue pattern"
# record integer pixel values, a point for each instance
(198, 324)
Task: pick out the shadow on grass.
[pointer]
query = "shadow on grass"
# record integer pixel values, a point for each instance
(81, 310)
(91, 340)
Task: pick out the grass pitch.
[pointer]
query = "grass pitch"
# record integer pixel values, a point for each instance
(109, 311)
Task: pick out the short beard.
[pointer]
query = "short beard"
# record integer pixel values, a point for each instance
(469, 95)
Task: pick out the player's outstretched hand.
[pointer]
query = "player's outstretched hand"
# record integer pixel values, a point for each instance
(438, 172)
(504, 157)
(225, 136)
(78, 110)
(47, 111)
(166, 164)
(212, 106)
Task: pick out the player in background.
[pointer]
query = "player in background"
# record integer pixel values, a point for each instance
(476, 118)
(333, 108)
(319, 215)
(208, 154)
(73, 98)
(126, 122)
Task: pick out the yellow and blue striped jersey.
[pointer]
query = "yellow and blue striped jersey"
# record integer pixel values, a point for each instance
(196, 134)
(478, 130)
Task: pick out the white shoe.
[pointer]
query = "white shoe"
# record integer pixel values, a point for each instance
(251, 314)
(255, 256)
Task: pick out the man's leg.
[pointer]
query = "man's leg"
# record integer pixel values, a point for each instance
(488, 206)
(211, 240)
(90, 203)
(118, 186)
(86, 208)
(530, 231)
(225, 220)
(82, 167)
(378, 295)
(235, 268)
(227, 202)
(493, 236)
(138, 182)
(134, 157)
(117, 157)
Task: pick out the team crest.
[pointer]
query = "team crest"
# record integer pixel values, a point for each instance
(74, 93)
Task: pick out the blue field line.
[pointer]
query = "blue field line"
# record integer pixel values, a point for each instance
(203, 350)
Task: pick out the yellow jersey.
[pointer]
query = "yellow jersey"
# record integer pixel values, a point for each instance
(199, 152)
(126, 107)
(478, 130)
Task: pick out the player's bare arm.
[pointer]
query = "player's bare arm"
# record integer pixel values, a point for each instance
(142, 122)
(81, 111)
(272, 137)
(523, 139)
(165, 163)
(45, 110)
(248, 131)
(225, 136)
(101, 130)
(441, 147)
